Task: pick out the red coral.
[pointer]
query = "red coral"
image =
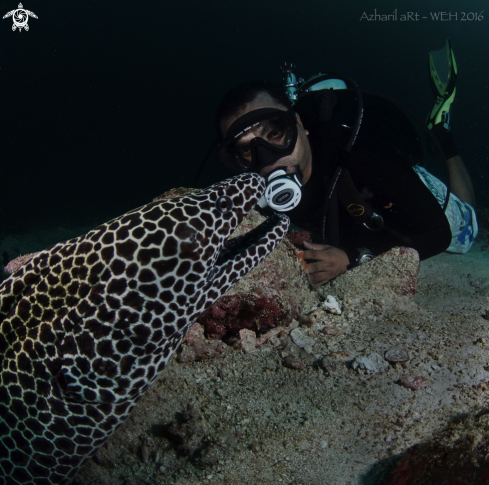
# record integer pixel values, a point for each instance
(297, 238)
(231, 313)
(231, 304)
(267, 311)
(218, 312)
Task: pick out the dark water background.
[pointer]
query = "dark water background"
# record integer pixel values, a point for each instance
(105, 105)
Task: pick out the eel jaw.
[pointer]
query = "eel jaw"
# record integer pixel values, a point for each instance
(243, 253)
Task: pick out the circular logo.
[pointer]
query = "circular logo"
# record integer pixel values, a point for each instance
(283, 197)
(355, 210)
(20, 18)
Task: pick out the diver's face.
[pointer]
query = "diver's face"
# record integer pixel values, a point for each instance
(299, 159)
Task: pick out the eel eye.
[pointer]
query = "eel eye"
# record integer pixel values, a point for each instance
(224, 204)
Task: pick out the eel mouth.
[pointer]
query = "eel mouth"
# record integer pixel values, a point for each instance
(246, 251)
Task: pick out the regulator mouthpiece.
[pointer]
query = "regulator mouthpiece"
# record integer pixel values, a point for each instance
(283, 192)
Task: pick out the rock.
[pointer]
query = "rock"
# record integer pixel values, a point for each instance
(328, 365)
(293, 324)
(320, 318)
(273, 294)
(390, 275)
(415, 384)
(276, 342)
(292, 362)
(247, 340)
(395, 356)
(269, 335)
(145, 452)
(340, 355)
(371, 363)
(305, 320)
(456, 455)
(332, 305)
(195, 347)
(318, 315)
(302, 340)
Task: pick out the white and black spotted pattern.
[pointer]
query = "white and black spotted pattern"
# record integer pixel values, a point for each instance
(88, 324)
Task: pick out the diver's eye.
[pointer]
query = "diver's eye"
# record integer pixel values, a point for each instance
(276, 136)
(244, 151)
(224, 204)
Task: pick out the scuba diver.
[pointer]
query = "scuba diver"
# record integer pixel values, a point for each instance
(350, 166)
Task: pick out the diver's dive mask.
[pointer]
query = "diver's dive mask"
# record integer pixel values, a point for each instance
(258, 139)
(283, 192)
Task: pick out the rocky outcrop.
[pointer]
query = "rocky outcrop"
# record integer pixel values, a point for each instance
(271, 295)
(393, 273)
(458, 455)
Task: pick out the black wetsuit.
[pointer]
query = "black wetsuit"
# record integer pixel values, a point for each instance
(380, 165)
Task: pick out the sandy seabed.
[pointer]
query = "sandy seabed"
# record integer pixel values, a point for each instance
(246, 418)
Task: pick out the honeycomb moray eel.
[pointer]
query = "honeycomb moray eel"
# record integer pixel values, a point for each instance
(88, 324)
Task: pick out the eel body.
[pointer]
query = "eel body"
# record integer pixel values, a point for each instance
(88, 324)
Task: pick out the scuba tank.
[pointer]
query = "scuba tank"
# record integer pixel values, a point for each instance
(325, 85)
(328, 89)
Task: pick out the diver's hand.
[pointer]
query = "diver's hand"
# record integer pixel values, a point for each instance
(329, 262)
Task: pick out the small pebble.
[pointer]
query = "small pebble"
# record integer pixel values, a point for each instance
(302, 340)
(292, 362)
(293, 324)
(338, 355)
(145, 452)
(276, 342)
(332, 305)
(414, 384)
(247, 340)
(328, 365)
(269, 335)
(305, 320)
(372, 363)
(395, 356)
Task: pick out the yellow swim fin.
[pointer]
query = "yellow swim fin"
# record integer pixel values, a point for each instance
(443, 76)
